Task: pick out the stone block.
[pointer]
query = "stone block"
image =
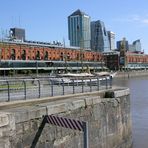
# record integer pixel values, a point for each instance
(4, 120)
(19, 128)
(77, 104)
(56, 108)
(121, 93)
(88, 101)
(36, 112)
(21, 115)
(96, 100)
(5, 143)
(7, 129)
(26, 126)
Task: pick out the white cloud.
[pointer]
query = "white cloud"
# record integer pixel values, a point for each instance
(134, 18)
(145, 21)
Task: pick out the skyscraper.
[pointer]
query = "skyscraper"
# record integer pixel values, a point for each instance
(135, 47)
(99, 37)
(79, 29)
(111, 36)
(123, 44)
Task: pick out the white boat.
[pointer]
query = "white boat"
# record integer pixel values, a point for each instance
(100, 74)
(68, 78)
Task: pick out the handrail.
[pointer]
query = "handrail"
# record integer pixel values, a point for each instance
(29, 88)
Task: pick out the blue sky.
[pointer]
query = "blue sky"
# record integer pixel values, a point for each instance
(46, 20)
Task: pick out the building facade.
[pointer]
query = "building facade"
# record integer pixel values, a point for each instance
(112, 59)
(79, 29)
(111, 36)
(99, 37)
(137, 45)
(122, 44)
(17, 33)
(134, 47)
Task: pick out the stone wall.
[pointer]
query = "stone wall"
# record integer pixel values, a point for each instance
(109, 123)
(128, 74)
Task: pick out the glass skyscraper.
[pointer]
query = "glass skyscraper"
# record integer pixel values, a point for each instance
(121, 43)
(79, 29)
(137, 45)
(99, 37)
(111, 36)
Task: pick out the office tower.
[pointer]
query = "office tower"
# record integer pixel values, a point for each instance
(99, 37)
(17, 33)
(79, 29)
(123, 44)
(111, 36)
(137, 45)
(131, 48)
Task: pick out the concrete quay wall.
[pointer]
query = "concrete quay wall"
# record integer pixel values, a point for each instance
(108, 117)
(128, 74)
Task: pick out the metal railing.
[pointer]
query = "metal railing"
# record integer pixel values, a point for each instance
(23, 89)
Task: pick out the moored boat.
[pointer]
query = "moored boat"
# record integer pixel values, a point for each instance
(70, 78)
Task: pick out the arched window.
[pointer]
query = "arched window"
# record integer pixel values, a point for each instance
(93, 57)
(46, 55)
(13, 54)
(62, 56)
(38, 55)
(24, 55)
(78, 56)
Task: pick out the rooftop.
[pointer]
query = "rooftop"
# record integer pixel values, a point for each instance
(78, 12)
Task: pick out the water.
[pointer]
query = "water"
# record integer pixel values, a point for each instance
(139, 108)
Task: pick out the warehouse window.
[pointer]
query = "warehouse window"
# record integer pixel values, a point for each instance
(46, 55)
(24, 55)
(13, 54)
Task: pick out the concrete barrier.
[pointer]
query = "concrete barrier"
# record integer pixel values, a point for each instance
(109, 121)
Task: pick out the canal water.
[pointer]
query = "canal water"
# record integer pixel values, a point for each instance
(139, 108)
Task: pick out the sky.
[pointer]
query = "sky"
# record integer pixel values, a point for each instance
(46, 20)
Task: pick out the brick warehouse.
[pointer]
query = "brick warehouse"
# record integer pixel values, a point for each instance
(40, 51)
(33, 51)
